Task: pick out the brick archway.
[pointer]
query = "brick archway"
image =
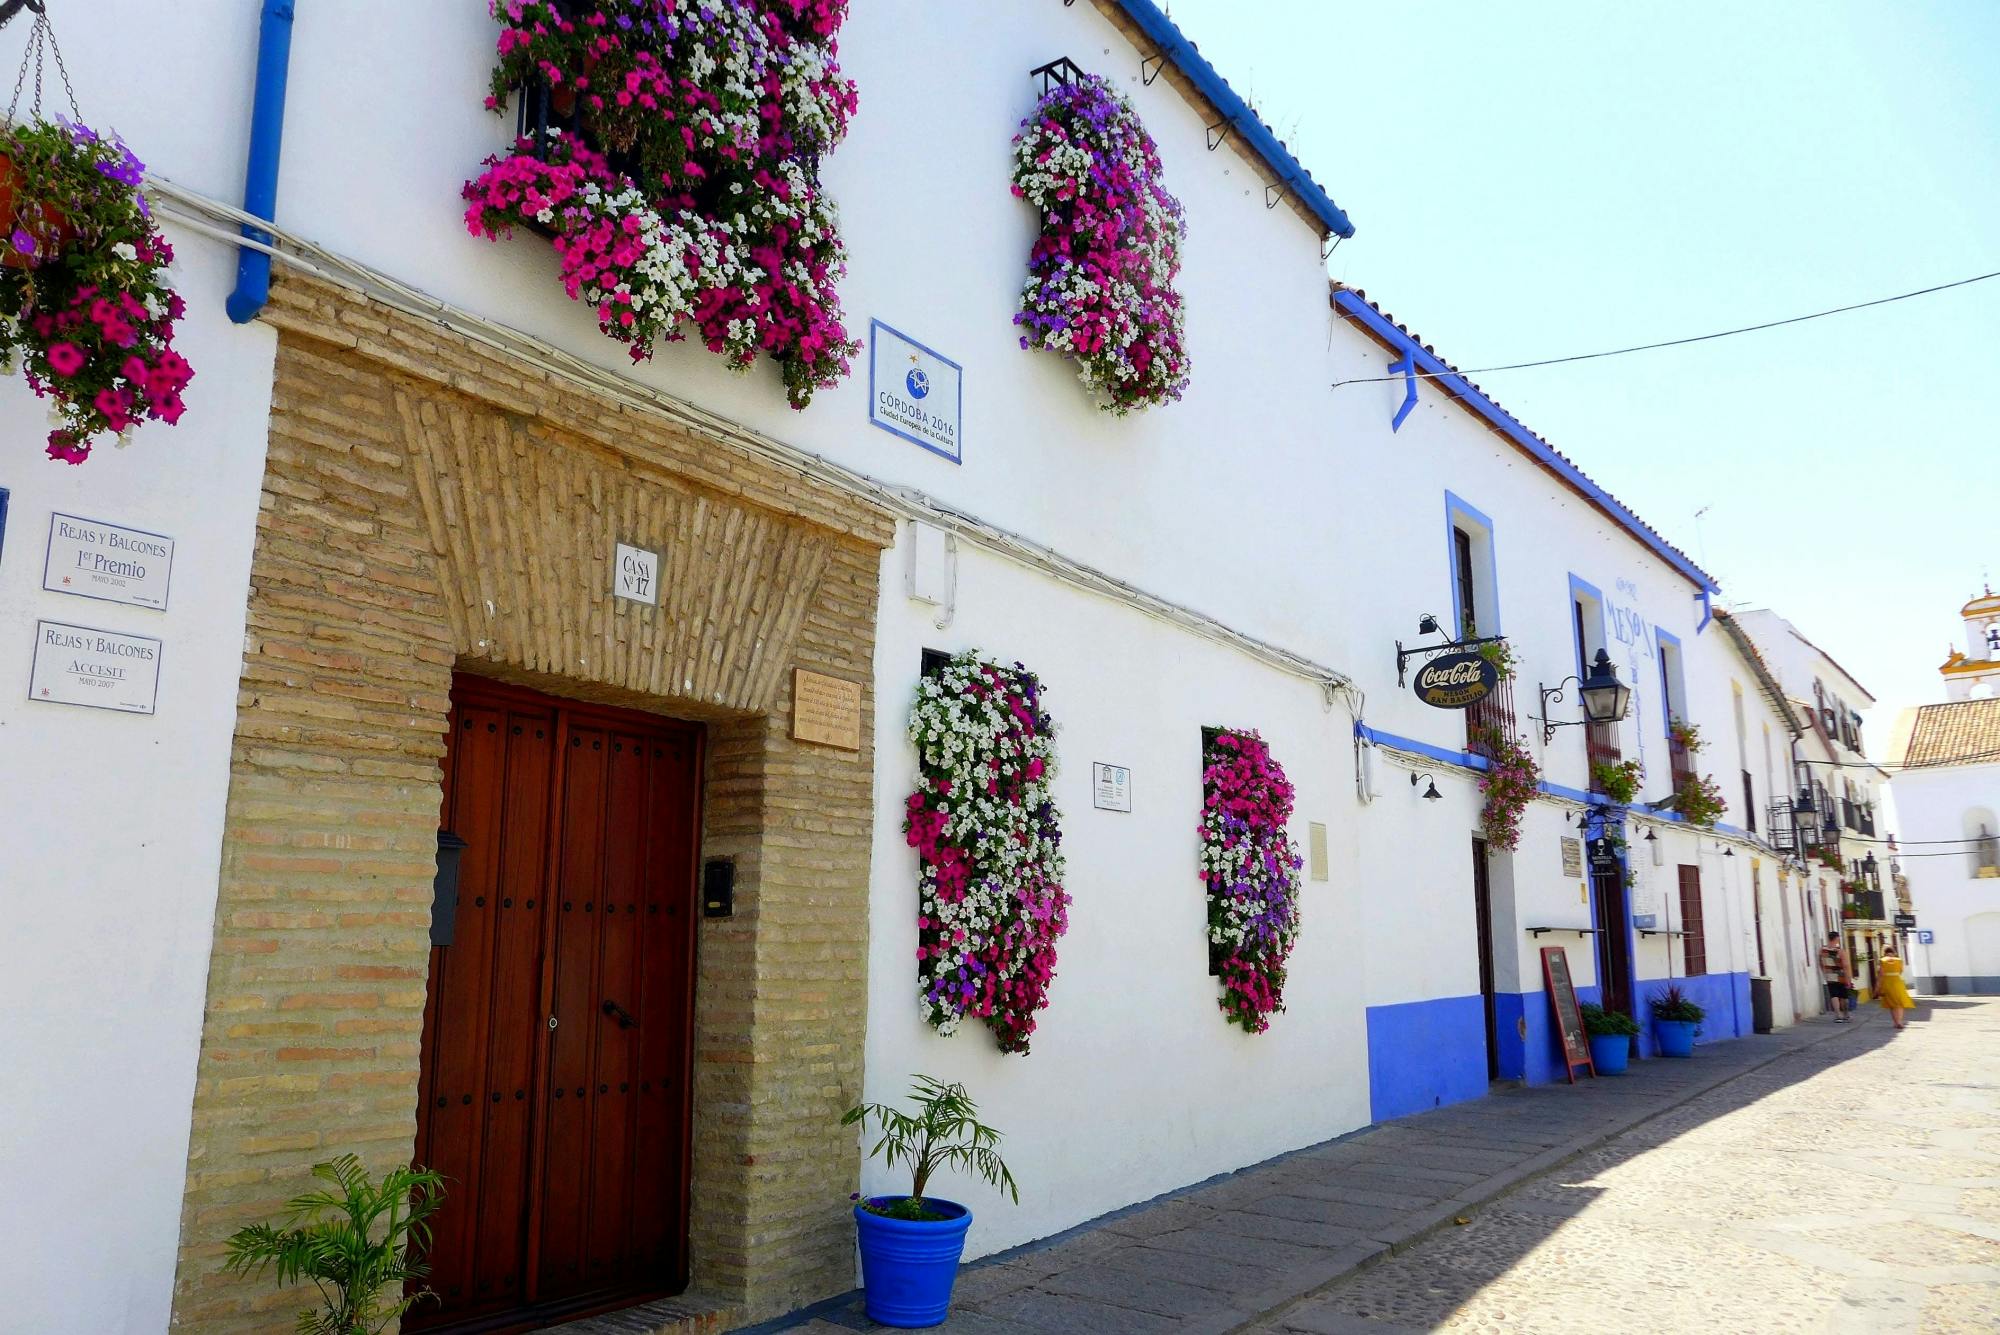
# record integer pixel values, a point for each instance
(428, 505)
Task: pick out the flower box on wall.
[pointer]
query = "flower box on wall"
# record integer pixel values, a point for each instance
(672, 154)
(1100, 286)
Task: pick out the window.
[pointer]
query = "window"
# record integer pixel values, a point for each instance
(1694, 945)
(1475, 593)
(1468, 594)
(1749, 804)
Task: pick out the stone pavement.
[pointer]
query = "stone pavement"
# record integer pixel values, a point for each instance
(1826, 1177)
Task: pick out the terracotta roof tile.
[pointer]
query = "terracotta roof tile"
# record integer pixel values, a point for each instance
(1962, 732)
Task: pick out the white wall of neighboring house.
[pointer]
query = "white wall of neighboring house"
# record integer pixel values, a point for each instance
(1941, 809)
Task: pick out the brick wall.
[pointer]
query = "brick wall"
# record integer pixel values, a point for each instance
(430, 504)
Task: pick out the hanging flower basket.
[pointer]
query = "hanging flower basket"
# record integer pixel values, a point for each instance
(85, 309)
(1100, 287)
(683, 193)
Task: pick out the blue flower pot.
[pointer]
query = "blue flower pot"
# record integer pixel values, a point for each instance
(1609, 1053)
(1675, 1037)
(909, 1265)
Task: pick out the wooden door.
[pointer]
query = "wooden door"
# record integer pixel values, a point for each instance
(1614, 944)
(1482, 904)
(555, 1083)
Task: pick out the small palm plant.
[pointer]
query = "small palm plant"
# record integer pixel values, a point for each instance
(945, 1132)
(360, 1244)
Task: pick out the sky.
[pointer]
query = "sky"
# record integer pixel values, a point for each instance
(1537, 180)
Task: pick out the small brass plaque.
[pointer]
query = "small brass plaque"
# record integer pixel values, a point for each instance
(826, 710)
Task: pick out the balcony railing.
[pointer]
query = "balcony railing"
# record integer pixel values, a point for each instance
(1680, 764)
(1600, 747)
(1494, 714)
(1868, 906)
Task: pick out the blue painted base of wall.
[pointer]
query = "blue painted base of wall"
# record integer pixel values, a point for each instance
(1425, 1054)
(1725, 996)
(1537, 1057)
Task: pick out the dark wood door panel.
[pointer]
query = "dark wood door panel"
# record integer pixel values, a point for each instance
(566, 1146)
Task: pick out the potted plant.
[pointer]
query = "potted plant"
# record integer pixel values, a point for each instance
(1611, 1034)
(1676, 1017)
(911, 1245)
(85, 308)
(1500, 654)
(359, 1242)
(1620, 782)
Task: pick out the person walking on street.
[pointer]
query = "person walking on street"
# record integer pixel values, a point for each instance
(1890, 988)
(1837, 975)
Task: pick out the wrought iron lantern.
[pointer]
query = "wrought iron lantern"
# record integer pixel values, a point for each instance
(1603, 696)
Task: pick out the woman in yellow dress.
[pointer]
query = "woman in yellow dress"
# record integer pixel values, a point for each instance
(1889, 987)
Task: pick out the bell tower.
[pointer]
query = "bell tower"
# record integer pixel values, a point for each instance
(1974, 672)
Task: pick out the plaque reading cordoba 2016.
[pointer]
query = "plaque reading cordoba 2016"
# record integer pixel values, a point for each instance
(826, 710)
(1456, 680)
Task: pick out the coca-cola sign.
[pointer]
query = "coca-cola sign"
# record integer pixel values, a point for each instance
(1456, 680)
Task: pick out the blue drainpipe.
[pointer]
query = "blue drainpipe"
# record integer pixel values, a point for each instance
(260, 173)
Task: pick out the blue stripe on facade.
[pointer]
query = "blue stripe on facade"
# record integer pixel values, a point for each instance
(1425, 1054)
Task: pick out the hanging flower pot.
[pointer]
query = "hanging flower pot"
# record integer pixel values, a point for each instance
(85, 309)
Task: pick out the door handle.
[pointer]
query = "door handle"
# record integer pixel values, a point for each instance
(620, 1014)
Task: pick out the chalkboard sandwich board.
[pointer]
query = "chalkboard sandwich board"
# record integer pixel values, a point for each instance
(1569, 1016)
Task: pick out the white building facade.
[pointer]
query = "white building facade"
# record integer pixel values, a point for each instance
(401, 503)
(1947, 795)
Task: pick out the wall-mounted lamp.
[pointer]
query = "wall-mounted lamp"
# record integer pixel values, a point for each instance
(1651, 838)
(1431, 793)
(1604, 697)
(1872, 871)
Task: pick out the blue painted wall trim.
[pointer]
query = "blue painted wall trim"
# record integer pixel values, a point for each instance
(1425, 1054)
(1358, 309)
(1538, 1057)
(1244, 123)
(260, 169)
(1443, 755)
(1591, 591)
(1662, 638)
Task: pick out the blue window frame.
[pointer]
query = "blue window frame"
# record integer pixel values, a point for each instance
(1475, 583)
(1586, 621)
(1673, 684)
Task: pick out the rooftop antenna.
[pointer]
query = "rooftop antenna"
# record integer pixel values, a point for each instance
(1701, 534)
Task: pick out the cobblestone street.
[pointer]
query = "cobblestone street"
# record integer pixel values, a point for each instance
(1853, 1186)
(1822, 1179)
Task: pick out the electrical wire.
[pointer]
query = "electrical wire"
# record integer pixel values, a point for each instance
(1675, 342)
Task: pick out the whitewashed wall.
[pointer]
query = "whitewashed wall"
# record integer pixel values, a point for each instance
(1135, 1084)
(1960, 909)
(108, 867)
